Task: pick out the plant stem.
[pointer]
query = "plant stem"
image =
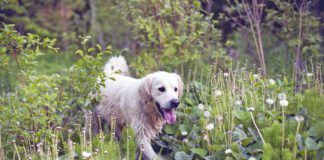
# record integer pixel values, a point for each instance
(17, 150)
(283, 131)
(257, 128)
(295, 145)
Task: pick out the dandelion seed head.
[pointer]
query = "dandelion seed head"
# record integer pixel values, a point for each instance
(185, 140)
(256, 76)
(184, 133)
(238, 102)
(299, 118)
(283, 103)
(282, 96)
(86, 155)
(270, 101)
(207, 114)
(217, 93)
(228, 151)
(219, 118)
(201, 106)
(272, 82)
(205, 137)
(210, 126)
(309, 74)
(252, 158)
(225, 74)
(250, 109)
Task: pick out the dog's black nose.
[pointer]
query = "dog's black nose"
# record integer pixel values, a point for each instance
(174, 103)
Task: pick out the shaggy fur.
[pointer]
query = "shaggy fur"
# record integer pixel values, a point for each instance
(145, 104)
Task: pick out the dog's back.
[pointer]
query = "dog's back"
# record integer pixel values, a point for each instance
(116, 65)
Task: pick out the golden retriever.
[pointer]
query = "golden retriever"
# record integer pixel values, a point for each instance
(145, 104)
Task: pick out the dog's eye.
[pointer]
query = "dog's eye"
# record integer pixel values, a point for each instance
(161, 89)
(175, 89)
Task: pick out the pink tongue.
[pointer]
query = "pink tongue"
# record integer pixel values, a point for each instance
(170, 116)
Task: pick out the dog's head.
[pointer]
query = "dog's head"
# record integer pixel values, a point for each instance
(164, 89)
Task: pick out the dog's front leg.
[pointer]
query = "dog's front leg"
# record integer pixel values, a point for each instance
(146, 149)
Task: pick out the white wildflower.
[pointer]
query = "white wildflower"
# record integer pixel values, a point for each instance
(252, 158)
(201, 106)
(86, 155)
(256, 76)
(270, 101)
(184, 133)
(210, 126)
(207, 114)
(309, 74)
(219, 118)
(250, 109)
(282, 96)
(272, 82)
(299, 118)
(205, 137)
(185, 140)
(217, 93)
(226, 74)
(228, 151)
(238, 102)
(283, 103)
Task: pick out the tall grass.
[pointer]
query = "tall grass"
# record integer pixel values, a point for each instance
(232, 114)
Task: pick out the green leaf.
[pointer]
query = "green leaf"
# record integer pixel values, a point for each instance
(189, 101)
(199, 151)
(311, 144)
(241, 115)
(91, 49)
(99, 47)
(196, 4)
(170, 129)
(182, 156)
(79, 52)
(215, 147)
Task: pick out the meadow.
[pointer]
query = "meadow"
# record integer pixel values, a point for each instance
(265, 103)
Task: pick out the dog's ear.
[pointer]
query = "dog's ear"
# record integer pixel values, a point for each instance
(180, 85)
(145, 89)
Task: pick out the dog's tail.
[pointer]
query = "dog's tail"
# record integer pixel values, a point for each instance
(116, 65)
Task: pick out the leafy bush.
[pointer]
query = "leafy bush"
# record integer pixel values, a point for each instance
(47, 116)
(174, 35)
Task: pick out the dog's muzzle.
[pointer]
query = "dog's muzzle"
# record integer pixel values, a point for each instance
(169, 112)
(174, 103)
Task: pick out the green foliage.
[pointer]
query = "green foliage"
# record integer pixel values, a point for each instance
(173, 35)
(223, 115)
(228, 112)
(36, 106)
(128, 143)
(273, 134)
